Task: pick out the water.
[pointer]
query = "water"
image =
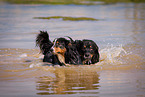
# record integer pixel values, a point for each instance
(119, 33)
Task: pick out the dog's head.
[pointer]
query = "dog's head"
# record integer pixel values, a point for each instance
(60, 45)
(66, 51)
(60, 48)
(90, 54)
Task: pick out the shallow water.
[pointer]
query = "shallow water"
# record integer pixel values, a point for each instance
(119, 33)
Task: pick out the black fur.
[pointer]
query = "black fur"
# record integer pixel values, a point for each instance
(52, 58)
(86, 49)
(43, 42)
(71, 55)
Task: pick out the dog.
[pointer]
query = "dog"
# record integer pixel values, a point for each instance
(61, 51)
(88, 51)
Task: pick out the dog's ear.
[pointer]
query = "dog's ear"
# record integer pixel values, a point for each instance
(67, 42)
(71, 40)
(96, 56)
(54, 41)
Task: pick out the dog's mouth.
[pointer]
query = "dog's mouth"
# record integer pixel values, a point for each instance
(58, 50)
(55, 52)
(88, 62)
(87, 58)
(60, 53)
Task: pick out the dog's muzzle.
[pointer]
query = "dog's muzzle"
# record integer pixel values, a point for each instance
(87, 56)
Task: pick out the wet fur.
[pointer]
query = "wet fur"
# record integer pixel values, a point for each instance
(42, 40)
(67, 55)
(64, 49)
(88, 51)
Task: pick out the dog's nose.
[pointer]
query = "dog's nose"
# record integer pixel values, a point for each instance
(87, 55)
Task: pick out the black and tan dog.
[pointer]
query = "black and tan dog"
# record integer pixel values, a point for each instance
(61, 51)
(88, 51)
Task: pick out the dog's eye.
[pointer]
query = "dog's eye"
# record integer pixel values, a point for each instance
(57, 44)
(61, 47)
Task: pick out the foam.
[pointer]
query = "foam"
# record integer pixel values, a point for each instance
(23, 55)
(110, 53)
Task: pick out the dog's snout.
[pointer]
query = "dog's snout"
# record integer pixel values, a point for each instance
(87, 55)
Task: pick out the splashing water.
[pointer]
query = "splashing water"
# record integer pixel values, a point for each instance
(110, 54)
(130, 55)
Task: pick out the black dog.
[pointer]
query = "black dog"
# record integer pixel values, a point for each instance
(88, 51)
(61, 51)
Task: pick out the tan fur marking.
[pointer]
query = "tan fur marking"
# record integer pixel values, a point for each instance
(60, 54)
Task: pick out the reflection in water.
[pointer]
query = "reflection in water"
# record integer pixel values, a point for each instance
(68, 81)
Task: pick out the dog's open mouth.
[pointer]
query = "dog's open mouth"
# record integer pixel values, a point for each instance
(88, 62)
(87, 58)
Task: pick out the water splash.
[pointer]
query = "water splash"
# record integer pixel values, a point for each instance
(110, 54)
(35, 65)
(23, 55)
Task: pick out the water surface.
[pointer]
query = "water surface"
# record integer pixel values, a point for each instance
(119, 33)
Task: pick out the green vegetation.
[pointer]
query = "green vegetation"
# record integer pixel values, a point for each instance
(54, 2)
(68, 18)
(67, 2)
